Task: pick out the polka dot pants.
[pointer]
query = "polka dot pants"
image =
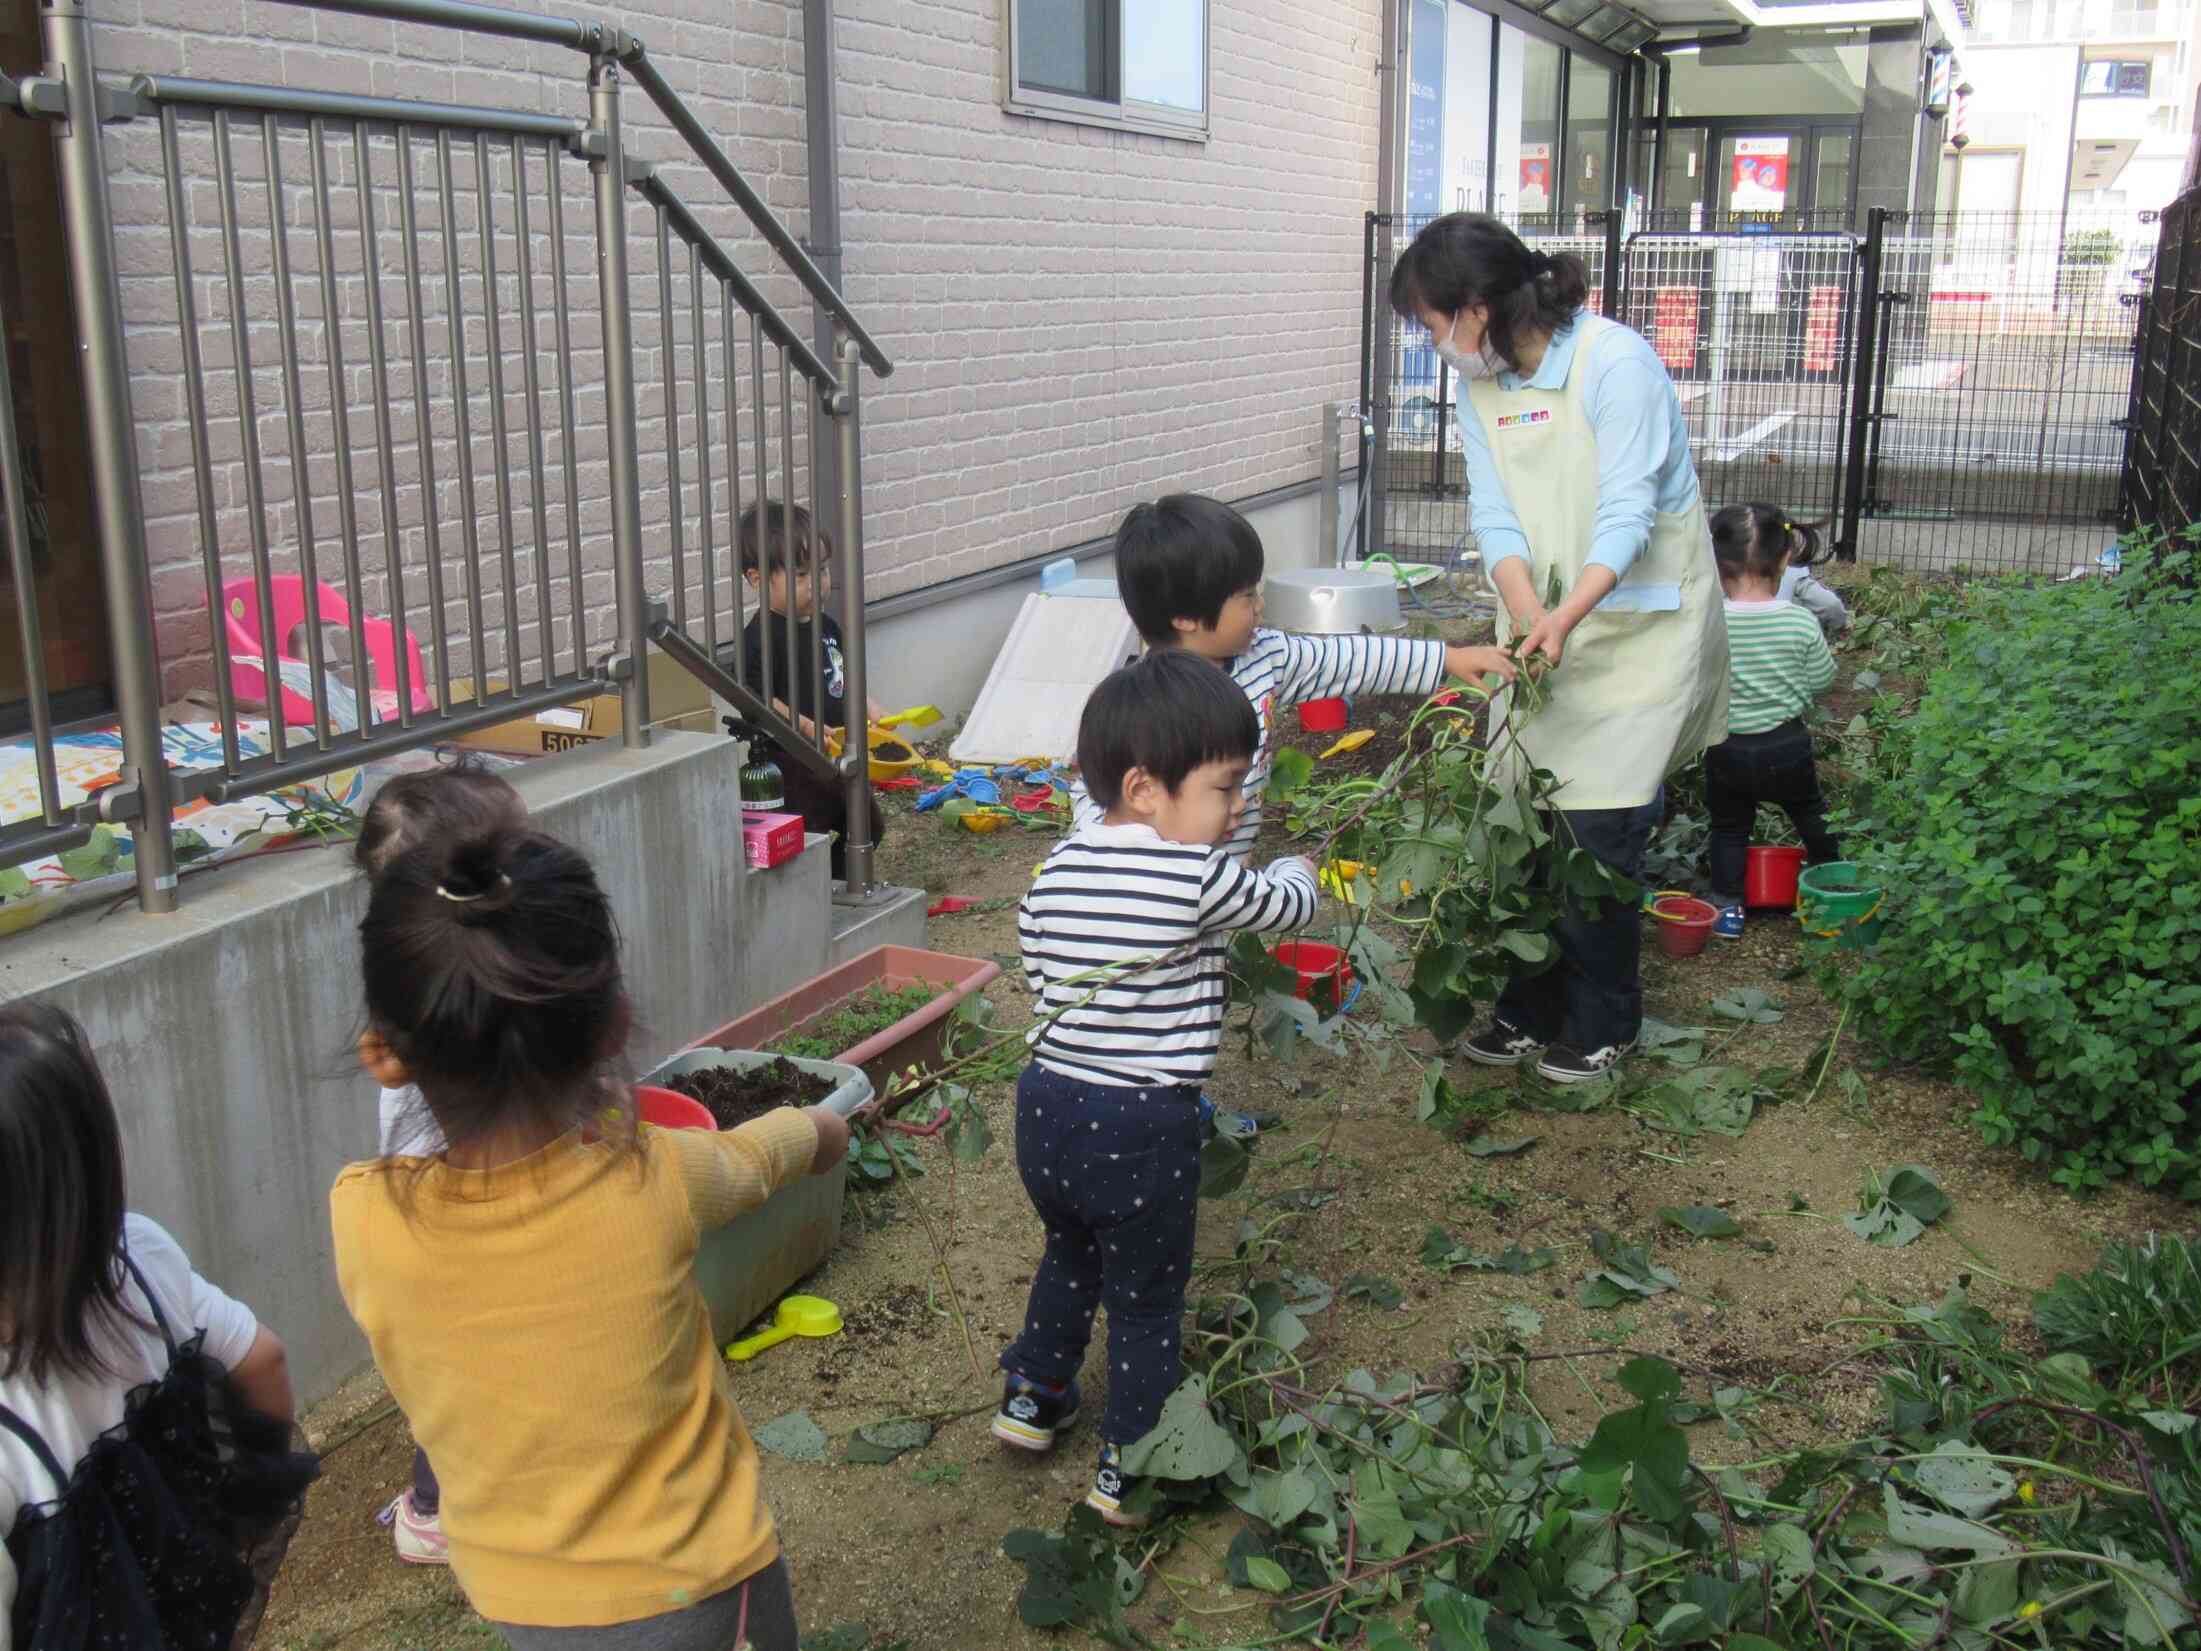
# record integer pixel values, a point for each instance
(1115, 1175)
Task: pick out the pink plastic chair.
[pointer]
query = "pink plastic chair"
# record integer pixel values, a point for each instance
(241, 618)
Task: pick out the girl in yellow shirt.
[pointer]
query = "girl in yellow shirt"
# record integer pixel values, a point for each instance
(527, 1289)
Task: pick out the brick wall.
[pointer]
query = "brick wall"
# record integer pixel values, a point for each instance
(1079, 317)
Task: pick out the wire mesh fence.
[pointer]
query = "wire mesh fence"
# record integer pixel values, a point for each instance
(2163, 453)
(1945, 391)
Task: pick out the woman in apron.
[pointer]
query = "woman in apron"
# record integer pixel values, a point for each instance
(1585, 505)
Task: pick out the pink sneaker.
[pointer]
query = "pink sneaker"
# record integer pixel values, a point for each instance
(418, 1536)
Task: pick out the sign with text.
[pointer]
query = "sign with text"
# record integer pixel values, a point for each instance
(1823, 330)
(1674, 327)
(1758, 175)
(1425, 109)
(1535, 177)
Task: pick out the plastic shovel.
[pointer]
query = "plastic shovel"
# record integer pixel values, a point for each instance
(917, 716)
(795, 1316)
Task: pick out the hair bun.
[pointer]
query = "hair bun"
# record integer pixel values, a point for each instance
(474, 875)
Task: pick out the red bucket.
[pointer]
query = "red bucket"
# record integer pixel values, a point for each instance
(1684, 923)
(1769, 876)
(1312, 961)
(1322, 716)
(669, 1109)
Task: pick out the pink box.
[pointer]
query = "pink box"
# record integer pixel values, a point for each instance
(771, 838)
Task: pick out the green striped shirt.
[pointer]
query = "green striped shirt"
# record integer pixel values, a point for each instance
(1777, 659)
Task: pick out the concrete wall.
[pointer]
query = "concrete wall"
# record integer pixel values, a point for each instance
(1079, 316)
(225, 1030)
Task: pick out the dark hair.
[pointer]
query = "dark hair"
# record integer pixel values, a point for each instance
(1165, 713)
(463, 800)
(491, 965)
(768, 532)
(1468, 258)
(1183, 557)
(61, 1198)
(1748, 541)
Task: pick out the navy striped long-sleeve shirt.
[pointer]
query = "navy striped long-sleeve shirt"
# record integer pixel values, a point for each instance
(1112, 897)
(1280, 669)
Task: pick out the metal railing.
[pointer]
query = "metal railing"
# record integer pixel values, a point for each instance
(375, 302)
(2162, 460)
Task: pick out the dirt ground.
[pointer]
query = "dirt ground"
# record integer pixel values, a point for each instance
(911, 1551)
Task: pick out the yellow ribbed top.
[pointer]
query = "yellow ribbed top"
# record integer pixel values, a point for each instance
(541, 1329)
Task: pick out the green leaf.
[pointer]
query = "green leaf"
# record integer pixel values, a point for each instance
(1187, 1443)
(1788, 1549)
(878, 1443)
(1649, 1378)
(1683, 1625)
(1457, 1621)
(1376, 1291)
(1896, 1208)
(1289, 771)
(1224, 1162)
(794, 1436)
(1521, 1321)
(1267, 1575)
(1749, 1005)
(1701, 1220)
(1386, 1636)
(1916, 1527)
(14, 885)
(1964, 1478)
(1645, 1440)
(1489, 1146)
(1628, 1271)
(970, 1137)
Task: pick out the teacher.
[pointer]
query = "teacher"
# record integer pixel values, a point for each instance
(1582, 496)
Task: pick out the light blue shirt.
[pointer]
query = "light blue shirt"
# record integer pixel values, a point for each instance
(1642, 450)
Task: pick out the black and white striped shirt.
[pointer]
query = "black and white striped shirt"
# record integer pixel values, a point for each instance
(1116, 896)
(1280, 669)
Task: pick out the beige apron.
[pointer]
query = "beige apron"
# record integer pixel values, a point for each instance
(1642, 684)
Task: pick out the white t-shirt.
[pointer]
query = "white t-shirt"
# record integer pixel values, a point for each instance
(408, 1129)
(69, 1412)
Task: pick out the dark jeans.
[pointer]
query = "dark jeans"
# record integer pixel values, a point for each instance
(427, 1494)
(1748, 769)
(1591, 998)
(1115, 1175)
(823, 805)
(758, 1614)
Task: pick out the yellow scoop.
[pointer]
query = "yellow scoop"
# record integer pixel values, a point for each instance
(795, 1316)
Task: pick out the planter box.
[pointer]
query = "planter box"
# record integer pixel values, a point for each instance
(914, 1040)
(746, 1265)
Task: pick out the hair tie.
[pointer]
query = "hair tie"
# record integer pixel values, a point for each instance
(1540, 264)
(503, 882)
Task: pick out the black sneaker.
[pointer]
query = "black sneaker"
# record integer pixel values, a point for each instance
(1563, 1063)
(1501, 1044)
(1031, 1415)
(1112, 1487)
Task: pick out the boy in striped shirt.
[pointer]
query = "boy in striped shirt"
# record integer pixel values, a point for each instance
(1123, 951)
(1190, 570)
(1777, 662)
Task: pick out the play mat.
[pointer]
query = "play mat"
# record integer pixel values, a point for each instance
(88, 760)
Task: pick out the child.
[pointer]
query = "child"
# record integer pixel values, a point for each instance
(1190, 570)
(147, 1484)
(1777, 661)
(1797, 584)
(794, 578)
(432, 805)
(1107, 1122)
(528, 1291)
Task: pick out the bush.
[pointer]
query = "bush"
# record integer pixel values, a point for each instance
(2042, 856)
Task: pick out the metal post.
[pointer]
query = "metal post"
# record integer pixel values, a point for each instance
(1614, 254)
(609, 168)
(822, 132)
(88, 230)
(1367, 377)
(1326, 508)
(855, 763)
(1863, 336)
(1390, 150)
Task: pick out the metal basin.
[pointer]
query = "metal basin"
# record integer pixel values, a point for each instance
(1334, 601)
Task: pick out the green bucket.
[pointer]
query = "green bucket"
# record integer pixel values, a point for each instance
(1834, 903)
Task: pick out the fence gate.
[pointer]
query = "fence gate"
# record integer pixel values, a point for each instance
(1942, 391)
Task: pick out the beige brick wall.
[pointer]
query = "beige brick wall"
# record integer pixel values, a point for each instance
(1079, 317)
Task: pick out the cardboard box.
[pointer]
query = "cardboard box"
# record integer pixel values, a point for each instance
(677, 700)
(770, 839)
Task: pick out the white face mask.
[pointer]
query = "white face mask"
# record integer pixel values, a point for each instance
(1470, 364)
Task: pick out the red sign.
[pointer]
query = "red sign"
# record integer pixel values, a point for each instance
(1758, 175)
(1823, 330)
(1535, 177)
(1674, 327)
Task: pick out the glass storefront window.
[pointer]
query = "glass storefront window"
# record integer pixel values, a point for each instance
(1536, 181)
(1588, 184)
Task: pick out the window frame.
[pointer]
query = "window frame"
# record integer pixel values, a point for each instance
(1123, 114)
(2113, 65)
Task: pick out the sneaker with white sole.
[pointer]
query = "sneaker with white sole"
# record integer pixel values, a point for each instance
(1563, 1063)
(1112, 1487)
(1728, 925)
(1031, 1415)
(418, 1536)
(1501, 1044)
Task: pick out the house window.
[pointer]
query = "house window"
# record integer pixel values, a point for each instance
(2107, 78)
(1134, 63)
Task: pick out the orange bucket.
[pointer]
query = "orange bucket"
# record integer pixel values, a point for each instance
(1684, 923)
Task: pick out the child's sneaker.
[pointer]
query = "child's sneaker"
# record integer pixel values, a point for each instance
(418, 1536)
(1031, 1414)
(1111, 1488)
(1728, 925)
(1501, 1044)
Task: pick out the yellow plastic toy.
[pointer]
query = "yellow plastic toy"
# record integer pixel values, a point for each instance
(1350, 742)
(984, 819)
(876, 735)
(917, 716)
(795, 1316)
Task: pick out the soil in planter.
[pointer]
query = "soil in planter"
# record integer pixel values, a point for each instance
(872, 1010)
(891, 751)
(734, 1096)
